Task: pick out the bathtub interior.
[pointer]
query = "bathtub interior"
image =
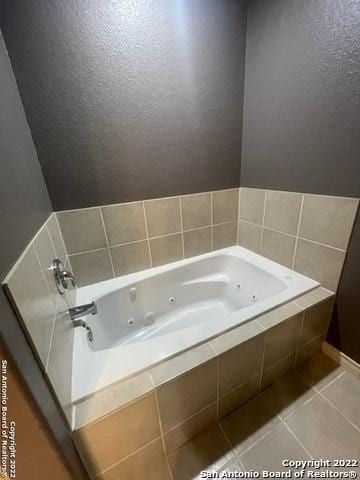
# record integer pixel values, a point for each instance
(180, 298)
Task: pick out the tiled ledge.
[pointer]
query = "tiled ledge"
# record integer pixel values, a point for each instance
(184, 395)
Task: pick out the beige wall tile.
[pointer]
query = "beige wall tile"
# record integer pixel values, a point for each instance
(91, 267)
(34, 301)
(166, 249)
(208, 451)
(321, 263)
(197, 242)
(115, 436)
(112, 398)
(56, 237)
(252, 205)
(282, 211)
(234, 399)
(180, 364)
(225, 205)
(82, 230)
(278, 247)
(316, 321)
(196, 210)
(335, 436)
(328, 220)
(178, 436)
(146, 464)
(271, 374)
(187, 394)
(130, 258)
(250, 236)
(124, 223)
(240, 364)
(224, 235)
(282, 340)
(163, 216)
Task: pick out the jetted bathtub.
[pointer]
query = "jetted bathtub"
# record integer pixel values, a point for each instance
(146, 317)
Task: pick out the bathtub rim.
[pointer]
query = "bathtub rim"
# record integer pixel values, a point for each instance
(95, 291)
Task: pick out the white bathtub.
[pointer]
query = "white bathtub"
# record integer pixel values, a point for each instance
(146, 317)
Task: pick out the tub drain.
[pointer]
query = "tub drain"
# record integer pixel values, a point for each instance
(172, 300)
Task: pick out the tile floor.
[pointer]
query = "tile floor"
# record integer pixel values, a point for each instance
(311, 412)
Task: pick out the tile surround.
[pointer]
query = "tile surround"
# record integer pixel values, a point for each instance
(306, 232)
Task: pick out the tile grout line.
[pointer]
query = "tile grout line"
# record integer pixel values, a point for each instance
(107, 242)
(158, 413)
(299, 339)
(262, 364)
(61, 234)
(217, 386)
(227, 439)
(262, 223)
(212, 220)
(297, 232)
(239, 386)
(297, 439)
(182, 228)
(147, 234)
(238, 220)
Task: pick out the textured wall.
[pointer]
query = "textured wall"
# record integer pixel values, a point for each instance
(24, 206)
(302, 117)
(130, 100)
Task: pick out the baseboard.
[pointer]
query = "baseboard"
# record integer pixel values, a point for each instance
(340, 358)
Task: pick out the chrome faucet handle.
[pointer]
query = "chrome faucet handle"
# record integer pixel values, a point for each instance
(68, 276)
(62, 276)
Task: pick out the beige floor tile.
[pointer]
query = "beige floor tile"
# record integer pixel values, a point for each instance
(271, 450)
(208, 451)
(344, 394)
(250, 422)
(233, 466)
(288, 394)
(324, 432)
(319, 370)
